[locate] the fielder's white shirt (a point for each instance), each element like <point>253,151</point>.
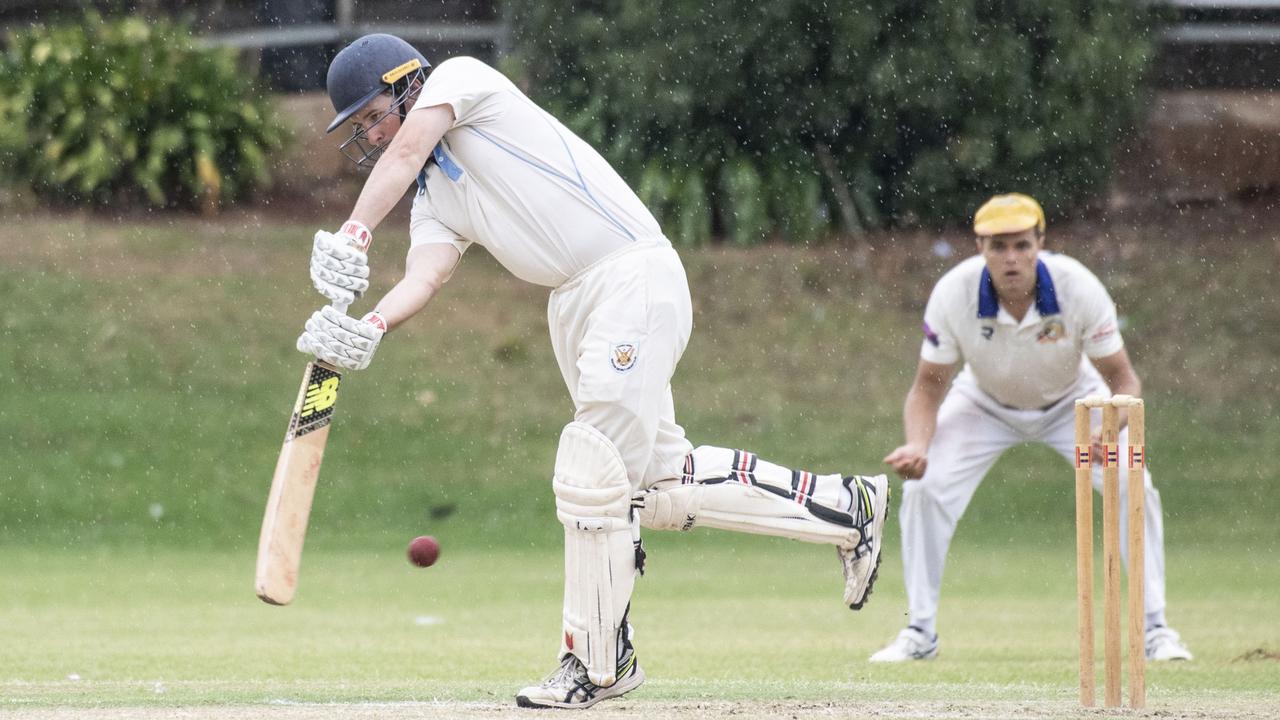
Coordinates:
<point>512,178</point>
<point>1029,364</point>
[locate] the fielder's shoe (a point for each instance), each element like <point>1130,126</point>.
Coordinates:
<point>569,687</point>
<point>1164,643</point>
<point>870,506</point>
<point>911,644</point>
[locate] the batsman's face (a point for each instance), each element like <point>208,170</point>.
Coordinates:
<point>1011,259</point>
<point>376,120</point>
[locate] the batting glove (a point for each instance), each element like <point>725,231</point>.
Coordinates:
<point>339,264</point>
<point>341,340</point>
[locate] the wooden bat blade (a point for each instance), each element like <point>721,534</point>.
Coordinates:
<point>284,526</point>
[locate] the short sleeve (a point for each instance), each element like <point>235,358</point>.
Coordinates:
<point>1100,327</point>
<point>426,229</point>
<point>473,89</point>
<point>939,345</point>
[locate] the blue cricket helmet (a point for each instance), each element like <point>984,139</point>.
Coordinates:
<point>369,66</point>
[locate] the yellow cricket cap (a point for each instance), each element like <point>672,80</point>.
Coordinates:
<point>1010,213</point>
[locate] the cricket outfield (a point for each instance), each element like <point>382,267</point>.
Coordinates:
<point>753,625</point>
<point>146,374</point>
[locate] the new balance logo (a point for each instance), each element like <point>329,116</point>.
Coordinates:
<point>320,396</point>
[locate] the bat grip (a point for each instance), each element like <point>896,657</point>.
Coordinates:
<point>363,246</point>
<point>360,241</point>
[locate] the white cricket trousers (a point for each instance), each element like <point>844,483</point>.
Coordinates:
<point>972,432</point>
<point>618,329</point>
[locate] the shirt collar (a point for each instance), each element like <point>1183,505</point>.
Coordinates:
<point>1046,294</point>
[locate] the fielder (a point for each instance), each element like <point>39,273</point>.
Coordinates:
<point>494,169</point>
<point>1035,331</point>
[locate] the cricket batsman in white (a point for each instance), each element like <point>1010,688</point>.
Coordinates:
<point>493,168</point>
<point>1035,331</point>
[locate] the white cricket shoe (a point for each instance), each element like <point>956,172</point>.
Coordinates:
<point>1164,643</point>
<point>569,687</point>
<point>911,644</point>
<point>860,564</point>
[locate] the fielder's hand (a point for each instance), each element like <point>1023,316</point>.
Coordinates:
<point>339,264</point>
<point>342,340</point>
<point>908,461</point>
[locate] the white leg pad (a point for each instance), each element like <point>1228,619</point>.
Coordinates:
<point>742,508</point>
<point>593,502</point>
<point>737,490</point>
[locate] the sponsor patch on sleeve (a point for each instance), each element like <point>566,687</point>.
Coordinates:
<point>1102,334</point>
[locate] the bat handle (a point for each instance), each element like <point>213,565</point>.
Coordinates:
<point>363,246</point>
<point>342,308</point>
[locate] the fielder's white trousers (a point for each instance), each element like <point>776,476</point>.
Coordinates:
<point>972,432</point>
<point>618,329</point>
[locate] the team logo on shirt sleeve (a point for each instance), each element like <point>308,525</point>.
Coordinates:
<point>931,336</point>
<point>1051,331</point>
<point>623,356</point>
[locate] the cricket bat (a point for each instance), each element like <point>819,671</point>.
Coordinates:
<point>284,527</point>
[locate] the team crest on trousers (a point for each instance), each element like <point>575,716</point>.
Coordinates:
<point>622,356</point>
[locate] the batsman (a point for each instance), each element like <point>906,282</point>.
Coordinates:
<point>492,168</point>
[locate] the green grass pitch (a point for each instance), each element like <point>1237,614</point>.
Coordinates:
<point>146,375</point>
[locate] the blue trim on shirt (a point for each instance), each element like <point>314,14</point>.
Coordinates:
<point>579,184</point>
<point>988,304</point>
<point>1046,294</point>
<point>446,163</point>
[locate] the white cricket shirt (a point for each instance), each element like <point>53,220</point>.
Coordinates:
<point>512,178</point>
<point>1029,364</point>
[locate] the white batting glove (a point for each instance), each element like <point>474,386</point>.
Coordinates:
<point>341,340</point>
<point>339,264</point>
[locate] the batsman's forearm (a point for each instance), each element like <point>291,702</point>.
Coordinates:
<point>404,301</point>
<point>401,163</point>
<point>384,188</point>
<point>427,268</point>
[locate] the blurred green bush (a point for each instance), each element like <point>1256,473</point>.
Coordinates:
<point>131,110</point>
<point>798,117</point>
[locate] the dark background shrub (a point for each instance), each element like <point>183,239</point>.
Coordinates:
<point>801,116</point>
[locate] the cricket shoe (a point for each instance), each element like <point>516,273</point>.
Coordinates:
<point>569,687</point>
<point>911,644</point>
<point>862,562</point>
<point>1164,643</point>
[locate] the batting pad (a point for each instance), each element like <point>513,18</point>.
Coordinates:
<point>735,490</point>
<point>593,502</point>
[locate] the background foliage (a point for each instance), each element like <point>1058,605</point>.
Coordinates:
<point>148,372</point>
<point>131,109</point>
<point>795,117</point>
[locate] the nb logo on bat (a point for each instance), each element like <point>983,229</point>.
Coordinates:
<point>320,396</point>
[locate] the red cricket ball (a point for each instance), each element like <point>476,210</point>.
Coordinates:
<point>424,551</point>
